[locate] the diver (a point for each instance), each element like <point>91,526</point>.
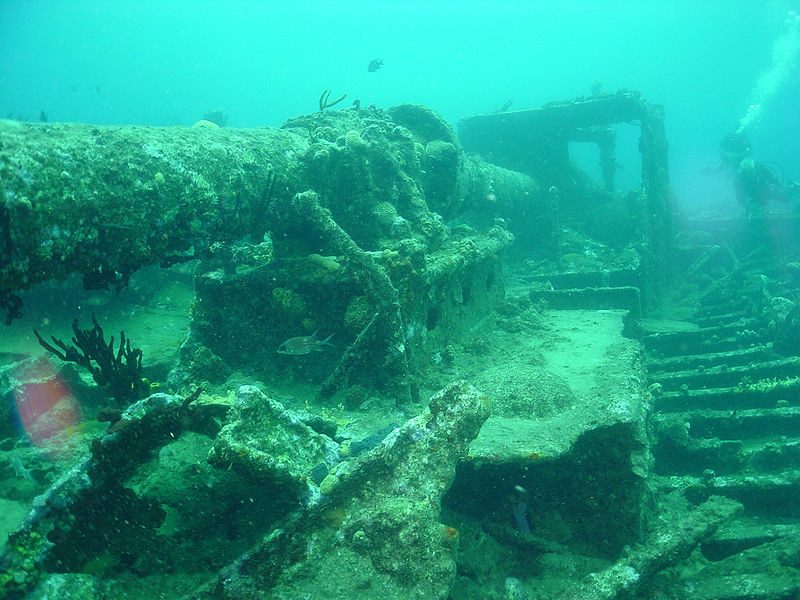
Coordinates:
<point>755,183</point>
<point>793,190</point>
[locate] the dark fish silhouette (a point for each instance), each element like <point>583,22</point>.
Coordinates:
<point>374,65</point>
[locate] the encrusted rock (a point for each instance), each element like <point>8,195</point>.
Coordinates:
<point>379,535</point>
<point>264,441</point>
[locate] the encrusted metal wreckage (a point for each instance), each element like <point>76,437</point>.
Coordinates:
<point>389,231</point>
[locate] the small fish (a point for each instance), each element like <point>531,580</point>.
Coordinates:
<point>304,344</point>
<point>374,65</point>
<point>20,471</point>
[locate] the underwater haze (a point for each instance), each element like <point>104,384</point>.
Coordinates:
<point>168,63</point>
<point>399,300</point>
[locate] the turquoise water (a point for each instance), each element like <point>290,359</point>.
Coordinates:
<point>167,63</point>
<point>628,362</point>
